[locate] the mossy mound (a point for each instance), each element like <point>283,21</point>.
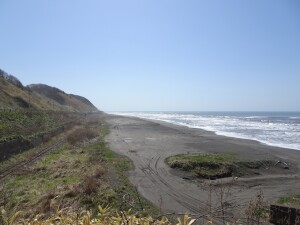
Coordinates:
<point>214,165</point>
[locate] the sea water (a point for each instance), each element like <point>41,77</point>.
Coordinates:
<point>280,129</point>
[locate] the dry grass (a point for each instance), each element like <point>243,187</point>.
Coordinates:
<point>73,177</point>
<point>215,165</point>
<point>31,123</point>
<point>99,171</point>
<point>104,216</point>
<point>16,97</point>
<point>90,185</point>
<point>67,173</point>
<point>81,134</point>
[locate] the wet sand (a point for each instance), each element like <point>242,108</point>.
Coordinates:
<point>147,143</point>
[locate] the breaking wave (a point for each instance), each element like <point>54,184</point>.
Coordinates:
<point>271,128</point>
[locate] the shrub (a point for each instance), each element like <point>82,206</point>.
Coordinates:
<point>99,171</point>
<point>90,185</point>
<point>80,135</point>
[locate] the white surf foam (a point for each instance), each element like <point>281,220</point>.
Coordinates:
<point>281,132</point>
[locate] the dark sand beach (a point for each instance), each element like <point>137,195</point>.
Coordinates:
<point>148,143</point>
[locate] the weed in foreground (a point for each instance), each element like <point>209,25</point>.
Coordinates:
<point>104,216</point>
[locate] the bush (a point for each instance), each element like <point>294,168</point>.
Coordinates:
<point>99,171</point>
<point>81,134</point>
<point>90,185</point>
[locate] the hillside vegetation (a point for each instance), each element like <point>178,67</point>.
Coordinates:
<point>14,95</point>
<point>67,172</point>
<point>53,157</point>
<point>80,174</point>
<point>28,123</point>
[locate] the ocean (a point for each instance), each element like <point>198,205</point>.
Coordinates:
<point>281,129</point>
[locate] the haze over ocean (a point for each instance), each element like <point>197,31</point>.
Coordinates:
<point>281,129</point>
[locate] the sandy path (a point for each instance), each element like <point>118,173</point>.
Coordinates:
<point>148,143</point>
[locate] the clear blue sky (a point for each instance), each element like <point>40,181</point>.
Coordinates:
<point>158,54</point>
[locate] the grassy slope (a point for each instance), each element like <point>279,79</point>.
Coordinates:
<point>76,176</point>
<point>15,97</point>
<point>28,123</point>
<point>8,91</point>
<point>291,200</point>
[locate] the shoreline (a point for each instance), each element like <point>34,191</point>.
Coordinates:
<point>224,135</point>
<point>147,143</point>
<point>216,132</point>
<point>278,149</point>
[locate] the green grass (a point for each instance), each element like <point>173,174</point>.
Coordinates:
<point>58,172</point>
<point>52,172</point>
<point>69,174</point>
<point>120,194</point>
<point>214,166</point>
<point>203,158</point>
<point>108,154</point>
<point>30,123</point>
<point>203,165</point>
<point>290,200</point>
